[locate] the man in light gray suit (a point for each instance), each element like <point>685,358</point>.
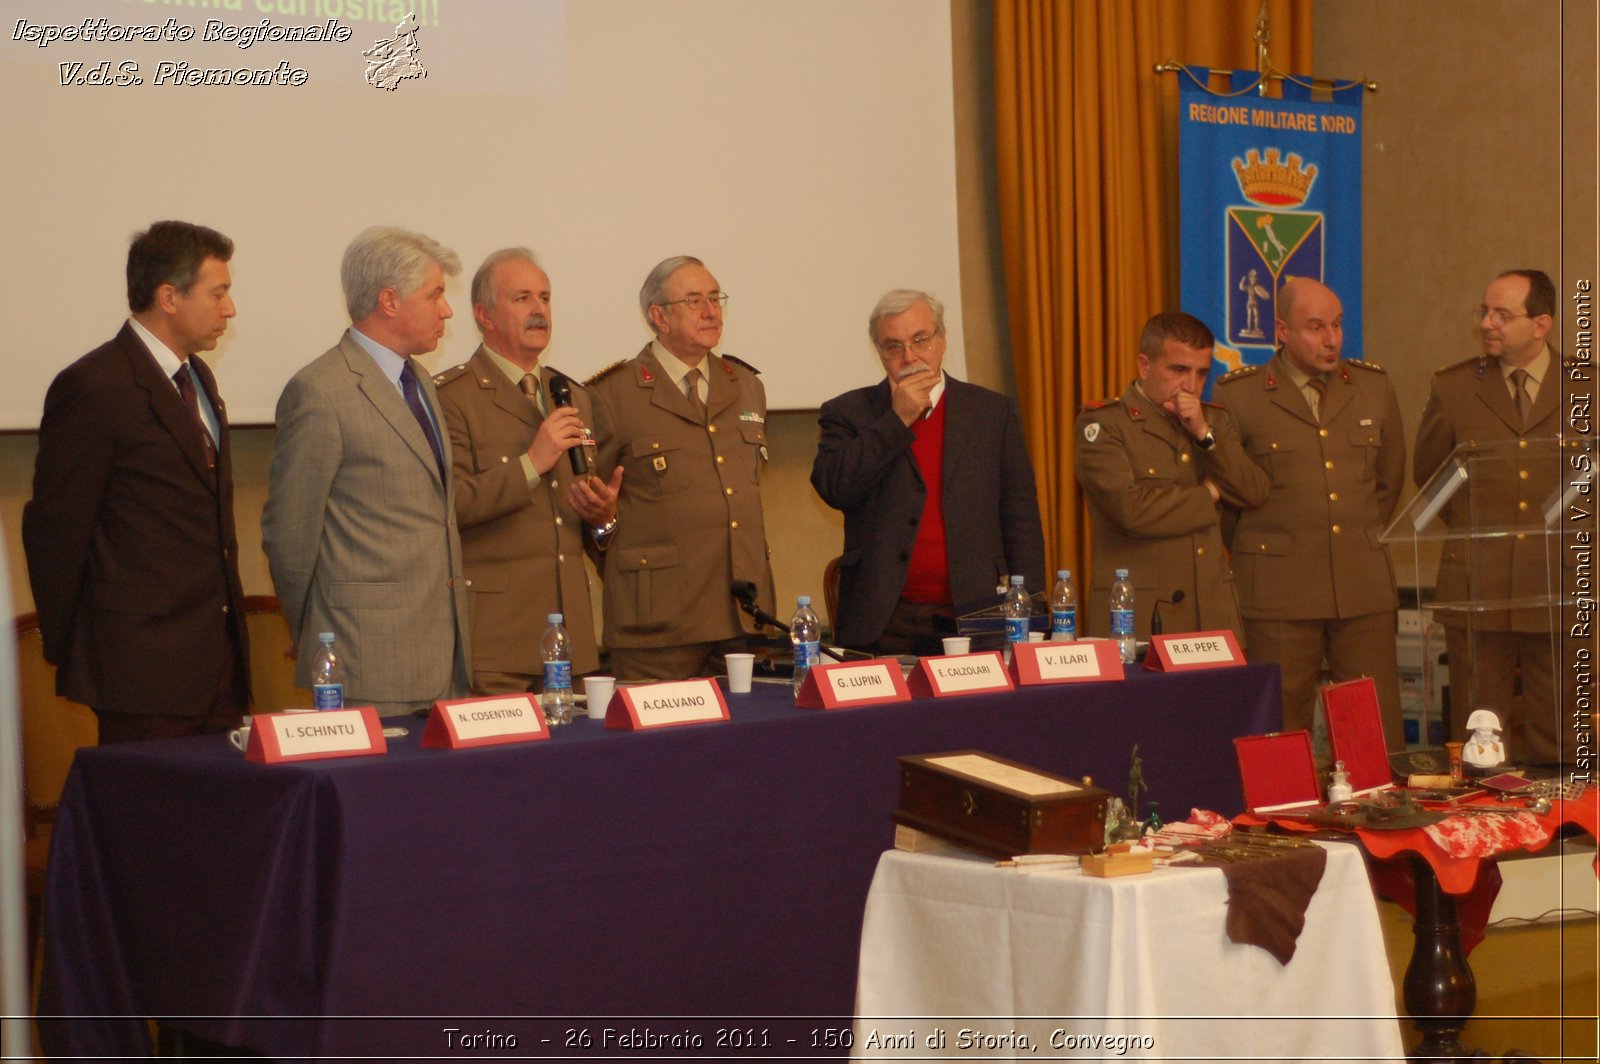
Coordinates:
<point>360,527</point>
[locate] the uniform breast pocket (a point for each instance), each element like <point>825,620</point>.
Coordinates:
<point>648,575</point>
<point>1367,441</point>
<point>755,439</point>
<point>661,465</point>
<point>1276,457</point>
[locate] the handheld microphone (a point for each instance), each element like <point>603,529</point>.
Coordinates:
<point>1155,611</point>
<point>561,395</point>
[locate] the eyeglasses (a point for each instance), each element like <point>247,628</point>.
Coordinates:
<point>698,301</point>
<point>919,344</point>
<point>1497,316</point>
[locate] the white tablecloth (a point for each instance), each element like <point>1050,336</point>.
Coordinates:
<point>1060,965</point>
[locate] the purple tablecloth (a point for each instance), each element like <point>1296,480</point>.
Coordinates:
<point>711,870</point>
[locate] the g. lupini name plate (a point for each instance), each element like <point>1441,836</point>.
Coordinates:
<point>855,683</point>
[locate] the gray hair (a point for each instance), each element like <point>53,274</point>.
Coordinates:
<point>483,292</point>
<point>653,292</point>
<point>388,257</point>
<point>898,301</point>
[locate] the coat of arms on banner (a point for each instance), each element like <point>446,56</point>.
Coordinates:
<point>1266,246</point>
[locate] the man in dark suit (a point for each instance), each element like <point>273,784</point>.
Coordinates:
<point>129,535</point>
<point>934,481</point>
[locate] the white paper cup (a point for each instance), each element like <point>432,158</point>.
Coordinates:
<point>240,736</point>
<point>597,691</point>
<point>958,644</point>
<point>740,667</point>
<point>1038,637</point>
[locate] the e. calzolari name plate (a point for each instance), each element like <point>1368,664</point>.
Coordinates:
<point>1193,650</point>
<point>961,674</point>
<point>855,683</point>
<point>665,705</point>
<point>1081,661</point>
<point>490,721</point>
<point>281,737</point>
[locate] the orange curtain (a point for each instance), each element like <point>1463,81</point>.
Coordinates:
<point>1086,155</point>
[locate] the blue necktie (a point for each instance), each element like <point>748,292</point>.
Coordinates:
<point>408,383</point>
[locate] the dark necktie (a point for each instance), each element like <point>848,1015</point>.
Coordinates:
<point>1320,387</point>
<point>691,382</point>
<point>1519,381</point>
<point>408,382</point>
<point>185,382</point>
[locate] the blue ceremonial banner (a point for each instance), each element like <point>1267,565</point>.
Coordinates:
<point>1269,189</point>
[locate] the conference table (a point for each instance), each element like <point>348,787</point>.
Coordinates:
<point>1055,964</point>
<point>591,892</point>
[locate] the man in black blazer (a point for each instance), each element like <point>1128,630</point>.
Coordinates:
<point>935,484</point>
<point>129,535</point>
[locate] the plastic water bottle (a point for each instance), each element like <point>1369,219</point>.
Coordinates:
<point>1015,609</point>
<point>1122,617</point>
<point>557,701</point>
<point>327,675</point>
<point>1063,608</point>
<point>805,632</point>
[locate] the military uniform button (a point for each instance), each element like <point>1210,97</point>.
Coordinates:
<point>1336,530</point>
<point>720,460</point>
<point>733,524</point>
<point>1333,496</point>
<point>1327,465</point>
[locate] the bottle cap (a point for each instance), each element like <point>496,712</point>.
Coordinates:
<point>1122,574</point>
<point>1016,581</point>
<point>554,618</point>
<point>1062,574</point>
<point>324,637</point>
<point>803,600</point>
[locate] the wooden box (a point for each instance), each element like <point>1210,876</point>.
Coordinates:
<point>999,807</point>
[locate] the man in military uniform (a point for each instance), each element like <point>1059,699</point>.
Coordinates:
<point>690,427</point>
<point>1511,392</point>
<point>1315,582</point>
<point>1154,465</point>
<point>522,510</point>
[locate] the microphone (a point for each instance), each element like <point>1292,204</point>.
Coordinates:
<point>1155,611</point>
<point>561,395</point>
<point>745,592</point>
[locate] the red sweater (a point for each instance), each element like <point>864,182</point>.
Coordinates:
<point>928,578</point>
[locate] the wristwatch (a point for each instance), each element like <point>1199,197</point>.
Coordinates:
<point>1208,441</point>
<point>604,530</point>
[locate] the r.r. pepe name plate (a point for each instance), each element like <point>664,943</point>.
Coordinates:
<point>1080,661</point>
<point>490,721</point>
<point>664,705</point>
<point>846,685</point>
<point>961,674</point>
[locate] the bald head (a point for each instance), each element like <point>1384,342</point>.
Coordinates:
<point>1310,325</point>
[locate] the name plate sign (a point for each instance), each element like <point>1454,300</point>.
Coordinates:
<point>1081,661</point>
<point>280,737</point>
<point>663,705</point>
<point>1193,650</point>
<point>854,683</point>
<point>466,722</point>
<point>961,674</point>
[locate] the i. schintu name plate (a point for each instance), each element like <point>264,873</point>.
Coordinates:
<point>845,685</point>
<point>281,737</point>
<point>1080,661</point>
<point>960,674</point>
<point>466,722</point>
<point>1193,650</point>
<point>665,705</point>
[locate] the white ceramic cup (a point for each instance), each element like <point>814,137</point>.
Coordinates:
<point>958,644</point>
<point>240,736</point>
<point>597,691</point>
<point>740,667</point>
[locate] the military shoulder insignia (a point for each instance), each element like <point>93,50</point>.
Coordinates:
<point>1101,404</point>
<point>608,371</point>
<point>1364,365</point>
<point>739,361</point>
<point>449,375</point>
<point>1242,371</point>
<point>1091,431</point>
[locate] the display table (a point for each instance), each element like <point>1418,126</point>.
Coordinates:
<point>1060,965</point>
<point>712,870</point>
